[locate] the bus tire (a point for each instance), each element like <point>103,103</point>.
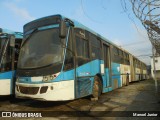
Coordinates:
<point>97,88</point>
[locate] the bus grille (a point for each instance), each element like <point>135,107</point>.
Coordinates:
<point>43,89</point>
<point>29,90</point>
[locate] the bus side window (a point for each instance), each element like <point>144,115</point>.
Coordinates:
<point>121,56</point>
<point>69,62</point>
<point>82,47</point>
<point>6,63</point>
<point>118,55</point>
<point>126,58</point>
<point>96,47</point>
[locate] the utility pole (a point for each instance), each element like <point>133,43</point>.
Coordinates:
<point>153,52</point>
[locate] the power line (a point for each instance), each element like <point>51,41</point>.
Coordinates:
<point>130,44</point>
<point>147,55</point>
<point>84,12</point>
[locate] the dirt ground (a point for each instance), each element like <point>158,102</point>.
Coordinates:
<point>139,98</point>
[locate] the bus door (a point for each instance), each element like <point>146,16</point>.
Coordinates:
<point>107,65</point>
<point>83,67</point>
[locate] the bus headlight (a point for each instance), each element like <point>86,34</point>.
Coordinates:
<point>45,79</point>
<point>49,77</point>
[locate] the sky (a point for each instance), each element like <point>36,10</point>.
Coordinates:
<point>113,19</point>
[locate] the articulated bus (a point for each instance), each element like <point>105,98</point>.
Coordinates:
<point>9,50</point>
<point>62,59</point>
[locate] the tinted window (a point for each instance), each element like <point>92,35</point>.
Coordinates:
<point>116,58</point>
<point>121,53</point>
<point>43,48</point>
<point>115,50</point>
<point>82,47</point>
<point>69,61</point>
<point>106,55</point>
<point>5,58</point>
<point>95,47</point>
<point>126,58</point>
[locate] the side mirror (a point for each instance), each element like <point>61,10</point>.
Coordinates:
<point>62,29</point>
<point>12,41</point>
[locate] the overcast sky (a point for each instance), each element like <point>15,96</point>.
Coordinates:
<point>106,17</point>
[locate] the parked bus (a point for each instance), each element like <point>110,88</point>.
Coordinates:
<point>9,50</point>
<point>62,59</point>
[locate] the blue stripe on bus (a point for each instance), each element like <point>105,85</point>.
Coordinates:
<point>48,27</point>
<point>115,68</point>
<point>116,77</point>
<point>85,75</point>
<point>84,70</point>
<point>81,71</point>
<point>6,75</point>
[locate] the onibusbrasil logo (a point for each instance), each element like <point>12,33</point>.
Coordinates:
<point>21,114</point>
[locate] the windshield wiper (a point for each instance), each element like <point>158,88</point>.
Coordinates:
<point>30,35</point>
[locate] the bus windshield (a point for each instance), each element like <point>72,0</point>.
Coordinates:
<point>43,48</point>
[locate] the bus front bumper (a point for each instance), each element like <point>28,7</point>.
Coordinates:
<point>56,91</point>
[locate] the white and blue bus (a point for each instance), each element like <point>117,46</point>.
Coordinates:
<point>10,42</point>
<point>61,59</point>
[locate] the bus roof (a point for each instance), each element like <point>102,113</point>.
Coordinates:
<point>79,25</point>
<point>17,34</point>
<point>76,24</point>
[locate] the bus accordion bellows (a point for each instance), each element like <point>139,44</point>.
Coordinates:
<point>10,42</point>
<point>62,59</point>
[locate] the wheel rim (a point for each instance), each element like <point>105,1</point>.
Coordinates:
<point>96,90</point>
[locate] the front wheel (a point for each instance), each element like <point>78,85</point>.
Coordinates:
<point>97,88</point>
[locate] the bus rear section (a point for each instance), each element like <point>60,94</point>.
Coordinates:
<point>10,42</point>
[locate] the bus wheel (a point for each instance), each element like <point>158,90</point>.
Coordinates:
<point>97,88</point>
